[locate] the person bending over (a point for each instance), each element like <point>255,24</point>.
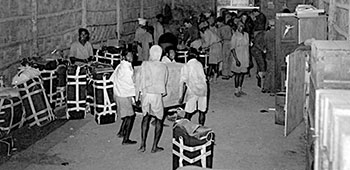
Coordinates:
<point>193,85</point>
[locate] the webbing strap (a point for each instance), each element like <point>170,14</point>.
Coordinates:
<point>50,78</point>
<point>182,148</point>
<point>28,94</point>
<point>107,104</point>
<point>112,57</point>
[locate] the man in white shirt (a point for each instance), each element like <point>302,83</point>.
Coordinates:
<point>193,85</point>
<point>124,91</point>
<point>81,50</point>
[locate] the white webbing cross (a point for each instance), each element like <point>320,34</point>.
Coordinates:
<point>51,77</point>
<point>28,94</point>
<point>182,148</point>
<point>107,104</point>
<point>76,83</point>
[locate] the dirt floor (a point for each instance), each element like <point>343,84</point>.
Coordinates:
<point>246,139</point>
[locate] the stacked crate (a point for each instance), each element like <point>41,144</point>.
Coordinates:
<point>330,63</point>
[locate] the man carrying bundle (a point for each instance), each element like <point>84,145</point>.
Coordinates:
<point>153,79</point>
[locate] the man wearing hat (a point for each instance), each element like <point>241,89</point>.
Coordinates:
<point>143,39</point>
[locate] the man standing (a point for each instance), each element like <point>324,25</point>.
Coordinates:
<point>211,42</point>
<point>259,46</point>
<point>124,91</point>
<point>158,28</point>
<point>81,50</point>
<point>143,39</point>
<point>152,86</point>
<point>225,33</point>
<point>193,85</point>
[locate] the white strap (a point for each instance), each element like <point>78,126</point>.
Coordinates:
<point>182,148</point>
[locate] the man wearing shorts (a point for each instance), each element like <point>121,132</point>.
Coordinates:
<point>153,79</point>
<point>124,91</point>
<point>193,87</point>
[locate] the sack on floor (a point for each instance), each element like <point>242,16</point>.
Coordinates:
<point>192,145</point>
<point>12,115</point>
<point>76,92</point>
<point>36,105</point>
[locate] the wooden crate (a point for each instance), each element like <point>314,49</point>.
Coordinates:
<point>312,27</point>
<point>332,128</point>
<point>330,64</point>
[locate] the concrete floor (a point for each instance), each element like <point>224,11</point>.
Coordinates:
<point>246,139</point>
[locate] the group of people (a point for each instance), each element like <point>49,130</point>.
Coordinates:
<point>230,41</point>
<point>151,90</point>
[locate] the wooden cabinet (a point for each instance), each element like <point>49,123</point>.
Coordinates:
<point>291,31</point>
<point>286,42</point>
<point>332,128</point>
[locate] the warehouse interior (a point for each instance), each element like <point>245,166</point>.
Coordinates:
<point>301,122</point>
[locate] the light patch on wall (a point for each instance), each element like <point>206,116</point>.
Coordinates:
<point>270,5</point>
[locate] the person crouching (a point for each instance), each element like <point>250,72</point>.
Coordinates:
<point>193,85</point>
<point>153,79</point>
<point>124,91</point>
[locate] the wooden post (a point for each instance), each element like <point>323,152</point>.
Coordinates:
<point>320,4</point>
<point>118,20</point>
<point>348,7</point>
<point>34,17</point>
<point>141,9</point>
<point>84,13</point>
<point>331,20</point>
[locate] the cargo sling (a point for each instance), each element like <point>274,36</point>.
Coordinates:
<point>76,83</point>
<point>107,103</point>
<point>6,127</point>
<point>35,115</point>
<point>204,153</point>
<point>51,92</point>
<point>11,105</point>
<point>61,97</point>
<point>109,58</point>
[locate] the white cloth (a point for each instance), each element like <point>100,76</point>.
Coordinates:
<point>192,74</point>
<point>153,104</point>
<point>166,59</point>
<point>122,78</point>
<point>24,74</point>
<point>194,103</point>
<point>142,21</point>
